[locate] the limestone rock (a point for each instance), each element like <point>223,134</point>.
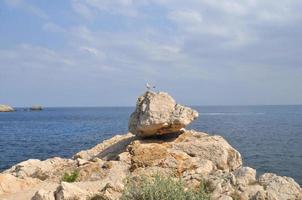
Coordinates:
<point>111,192</point>
<point>254,192</point>
<point>221,182</point>
<point>29,191</point>
<point>280,188</point>
<point>158,114</point>
<point>81,162</point>
<point>194,151</point>
<point>260,195</point>
<point>12,184</point>
<point>213,148</point>
<point>105,171</point>
<point>43,195</point>
<point>245,175</point>
<point>50,169</point>
<point>107,149</point>
<point>69,191</point>
<point>6,108</point>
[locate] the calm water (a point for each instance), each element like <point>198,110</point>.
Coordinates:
<point>268,137</point>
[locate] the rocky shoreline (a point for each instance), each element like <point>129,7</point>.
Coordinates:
<point>156,144</point>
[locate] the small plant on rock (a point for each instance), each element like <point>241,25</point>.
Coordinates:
<point>72,177</point>
<point>161,188</point>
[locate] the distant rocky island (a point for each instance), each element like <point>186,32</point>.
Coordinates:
<point>157,143</point>
<point>36,108</point>
<point>6,108</point>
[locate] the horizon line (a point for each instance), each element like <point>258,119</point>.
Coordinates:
<point>131,106</point>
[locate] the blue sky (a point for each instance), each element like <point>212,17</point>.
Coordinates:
<point>102,52</point>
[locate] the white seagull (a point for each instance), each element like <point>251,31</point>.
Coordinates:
<point>149,87</point>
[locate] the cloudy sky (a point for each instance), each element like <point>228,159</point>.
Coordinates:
<point>102,52</point>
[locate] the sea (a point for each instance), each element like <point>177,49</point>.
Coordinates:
<point>269,138</point>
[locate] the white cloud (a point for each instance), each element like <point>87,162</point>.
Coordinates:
<point>205,30</point>
<point>208,44</point>
<point>82,33</point>
<point>30,56</point>
<point>232,7</point>
<point>92,51</point>
<point>191,22</point>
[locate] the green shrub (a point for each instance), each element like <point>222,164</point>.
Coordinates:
<point>72,177</point>
<point>161,188</point>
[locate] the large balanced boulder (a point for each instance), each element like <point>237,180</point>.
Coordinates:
<point>159,114</point>
<point>6,108</point>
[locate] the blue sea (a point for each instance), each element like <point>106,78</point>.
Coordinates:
<point>269,138</point>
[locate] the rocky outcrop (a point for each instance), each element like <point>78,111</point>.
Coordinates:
<point>159,114</point>
<point>36,108</point>
<point>190,155</point>
<point>6,108</point>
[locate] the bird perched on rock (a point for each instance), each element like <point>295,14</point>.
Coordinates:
<point>149,87</point>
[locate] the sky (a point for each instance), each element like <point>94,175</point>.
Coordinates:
<point>103,52</point>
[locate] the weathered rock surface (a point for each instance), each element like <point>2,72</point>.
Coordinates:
<point>50,169</point>
<point>6,108</point>
<point>43,195</point>
<point>108,148</point>
<point>70,191</point>
<point>245,176</point>
<point>193,156</point>
<point>11,184</point>
<point>278,187</point>
<point>159,114</point>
